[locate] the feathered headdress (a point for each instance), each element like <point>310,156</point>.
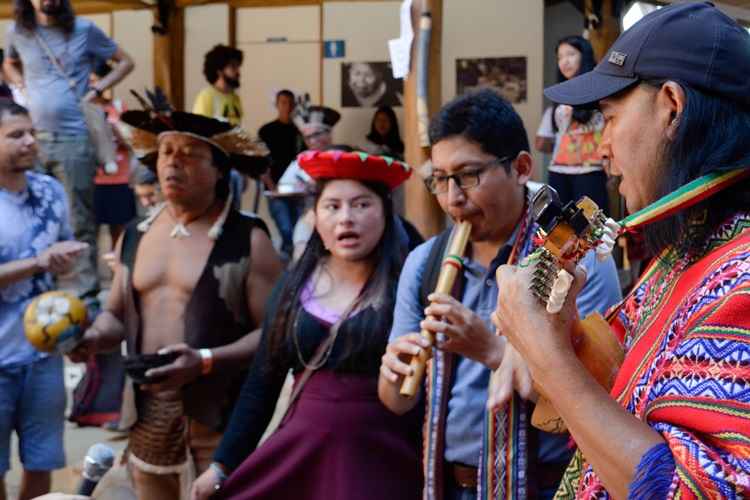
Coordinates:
<point>312,118</point>
<point>143,130</point>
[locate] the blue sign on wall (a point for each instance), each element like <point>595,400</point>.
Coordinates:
<point>334,49</point>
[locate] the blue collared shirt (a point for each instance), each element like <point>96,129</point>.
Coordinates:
<point>468,395</point>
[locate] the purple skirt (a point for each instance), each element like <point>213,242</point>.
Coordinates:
<point>338,442</point>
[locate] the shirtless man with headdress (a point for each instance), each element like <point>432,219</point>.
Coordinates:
<point>190,285</point>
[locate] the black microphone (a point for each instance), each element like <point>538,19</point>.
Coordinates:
<point>98,461</point>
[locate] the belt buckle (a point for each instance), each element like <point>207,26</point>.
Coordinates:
<point>465,484</point>
<point>464,476</point>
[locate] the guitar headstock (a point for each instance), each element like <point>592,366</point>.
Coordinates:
<point>566,233</point>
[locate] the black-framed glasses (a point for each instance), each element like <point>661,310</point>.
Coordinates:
<point>467,178</point>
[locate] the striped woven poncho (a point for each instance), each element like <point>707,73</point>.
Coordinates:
<point>686,330</point>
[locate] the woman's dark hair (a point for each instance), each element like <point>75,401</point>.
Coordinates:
<point>393,139</point>
<point>588,62</point>
<point>219,58</point>
<point>379,291</point>
<point>25,16</point>
<point>484,117</point>
<point>713,134</point>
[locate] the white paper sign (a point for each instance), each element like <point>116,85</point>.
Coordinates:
<point>400,48</point>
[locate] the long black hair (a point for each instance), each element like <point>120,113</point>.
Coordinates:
<point>713,134</point>
<point>393,139</point>
<point>588,62</point>
<point>25,16</point>
<point>379,291</point>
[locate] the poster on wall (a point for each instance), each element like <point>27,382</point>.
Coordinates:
<point>370,85</point>
<point>507,75</point>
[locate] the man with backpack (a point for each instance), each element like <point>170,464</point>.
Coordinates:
<point>480,167</point>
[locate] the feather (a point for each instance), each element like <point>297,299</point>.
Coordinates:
<point>141,100</point>
<point>159,100</point>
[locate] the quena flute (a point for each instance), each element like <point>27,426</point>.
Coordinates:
<point>451,266</point>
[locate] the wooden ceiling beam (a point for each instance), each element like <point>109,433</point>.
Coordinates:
<point>101,6</point>
<point>268,3</point>
<point>272,3</point>
<point>88,6</point>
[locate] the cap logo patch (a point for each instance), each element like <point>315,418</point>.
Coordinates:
<point>617,58</point>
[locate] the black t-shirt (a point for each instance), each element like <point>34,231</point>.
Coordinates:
<point>285,142</point>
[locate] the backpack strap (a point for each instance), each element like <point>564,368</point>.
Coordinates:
<point>432,269</point>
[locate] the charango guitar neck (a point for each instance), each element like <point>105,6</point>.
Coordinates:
<point>566,234</point>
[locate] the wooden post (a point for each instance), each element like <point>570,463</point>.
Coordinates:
<point>606,32</point>
<point>602,37</point>
<point>232,26</point>
<point>169,59</point>
<point>421,208</point>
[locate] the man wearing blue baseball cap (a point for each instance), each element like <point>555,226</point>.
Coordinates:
<point>675,94</point>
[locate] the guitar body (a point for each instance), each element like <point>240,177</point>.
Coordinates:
<point>600,353</point>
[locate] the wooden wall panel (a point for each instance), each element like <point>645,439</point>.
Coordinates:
<point>365,28</point>
<point>289,24</point>
<point>205,26</point>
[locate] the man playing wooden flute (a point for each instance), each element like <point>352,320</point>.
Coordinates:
<point>480,166</point>
<point>675,94</point>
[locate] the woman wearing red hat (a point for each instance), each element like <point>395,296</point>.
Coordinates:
<point>328,323</point>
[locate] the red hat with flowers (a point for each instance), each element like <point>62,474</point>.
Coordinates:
<point>357,165</point>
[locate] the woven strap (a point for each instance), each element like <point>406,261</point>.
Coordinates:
<point>56,63</point>
<point>320,352</point>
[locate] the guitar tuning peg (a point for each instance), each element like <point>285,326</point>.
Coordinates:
<point>541,293</point>
<point>559,292</point>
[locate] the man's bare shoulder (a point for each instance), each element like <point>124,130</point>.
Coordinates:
<point>264,259</point>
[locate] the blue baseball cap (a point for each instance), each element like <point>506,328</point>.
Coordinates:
<point>694,44</point>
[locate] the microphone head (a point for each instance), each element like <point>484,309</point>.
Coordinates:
<point>98,461</point>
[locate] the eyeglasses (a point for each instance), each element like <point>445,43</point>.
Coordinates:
<point>467,178</point>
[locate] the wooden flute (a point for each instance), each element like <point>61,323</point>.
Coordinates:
<point>451,266</point>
